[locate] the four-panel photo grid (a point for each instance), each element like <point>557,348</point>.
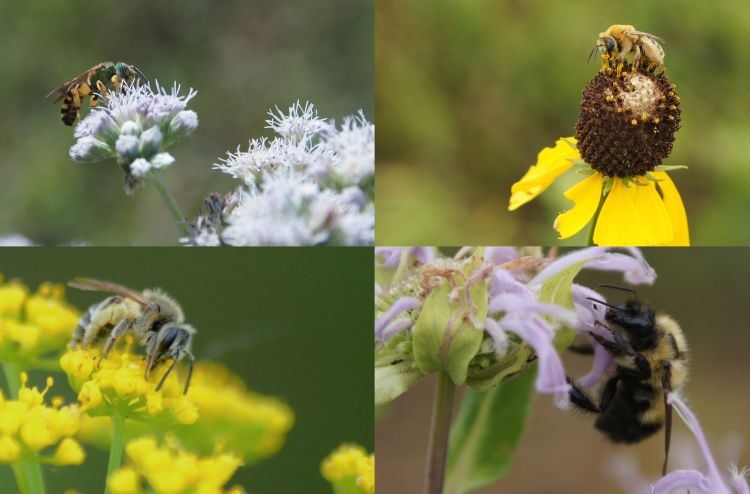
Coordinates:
<point>548,237</point>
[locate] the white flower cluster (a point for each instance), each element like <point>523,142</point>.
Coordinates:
<point>135,128</point>
<point>312,184</point>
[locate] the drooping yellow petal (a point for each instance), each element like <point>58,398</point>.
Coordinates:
<point>675,209</point>
<point>586,195</point>
<point>550,164</point>
<point>633,215</point>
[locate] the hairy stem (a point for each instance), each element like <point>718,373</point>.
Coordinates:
<point>35,477</point>
<point>437,449</point>
<point>20,475</point>
<point>161,186</point>
<point>115,449</point>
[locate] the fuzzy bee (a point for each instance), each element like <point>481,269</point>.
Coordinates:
<point>651,354</point>
<point>152,317</point>
<point>622,40</point>
<point>103,77</point>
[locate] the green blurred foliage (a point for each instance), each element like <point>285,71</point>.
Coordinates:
<point>243,57</point>
<point>289,322</point>
<point>469,91</point>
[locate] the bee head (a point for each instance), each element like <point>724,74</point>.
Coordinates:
<point>171,342</point>
<point>128,72</point>
<point>634,315</point>
<point>607,44</point>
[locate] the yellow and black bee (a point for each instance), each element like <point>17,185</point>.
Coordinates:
<point>105,76</point>
<point>651,354</point>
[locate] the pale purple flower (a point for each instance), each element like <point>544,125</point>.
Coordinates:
<point>634,267</point>
<point>392,255</point>
<point>400,306</point>
<point>499,255</point>
<point>695,481</point>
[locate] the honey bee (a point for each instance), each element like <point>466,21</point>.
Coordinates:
<point>152,317</point>
<point>622,40</point>
<point>651,354</point>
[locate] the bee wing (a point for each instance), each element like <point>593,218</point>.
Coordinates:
<point>666,379</point>
<point>108,286</point>
<point>82,77</point>
<point>647,35</point>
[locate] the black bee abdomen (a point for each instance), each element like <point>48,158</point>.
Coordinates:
<point>622,421</point>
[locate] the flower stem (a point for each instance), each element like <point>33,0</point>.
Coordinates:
<point>437,449</point>
<point>13,377</point>
<point>161,186</point>
<point>595,219</point>
<point>19,474</point>
<point>35,478</point>
<point>115,449</point>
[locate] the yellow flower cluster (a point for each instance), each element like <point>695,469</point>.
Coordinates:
<point>116,385</point>
<point>33,324</point>
<point>28,427</point>
<point>242,421</point>
<point>170,469</point>
<point>350,469</point>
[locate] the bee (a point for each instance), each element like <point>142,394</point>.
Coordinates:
<point>103,77</point>
<point>152,317</point>
<point>651,356</point>
<point>621,40</point>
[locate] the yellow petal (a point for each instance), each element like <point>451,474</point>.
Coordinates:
<point>633,215</point>
<point>675,209</point>
<point>586,195</point>
<point>550,164</point>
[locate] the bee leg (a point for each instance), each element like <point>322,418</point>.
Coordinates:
<point>582,349</point>
<point>116,81</point>
<point>609,392</point>
<point>580,399</point>
<point>102,89</point>
<point>94,101</point>
<point>121,327</point>
<point>666,381</point>
<point>166,374</point>
<point>191,360</point>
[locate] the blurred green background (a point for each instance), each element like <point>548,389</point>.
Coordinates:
<point>289,322</point>
<point>242,56</point>
<point>705,290</point>
<point>469,91</point>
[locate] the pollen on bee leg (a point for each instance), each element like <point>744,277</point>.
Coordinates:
<point>76,97</point>
<point>634,122</point>
<point>84,89</point>
<point>116,81</point>
<point>102,88</point>
<point>94,101</point>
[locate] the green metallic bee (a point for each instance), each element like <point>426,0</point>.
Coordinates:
<point>106,76</point>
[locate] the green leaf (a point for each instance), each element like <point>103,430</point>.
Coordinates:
<point>444,340</point>
<point>667,168</point>
<point>558,290</point>
<point>486,432</point>
<point>391,381</point>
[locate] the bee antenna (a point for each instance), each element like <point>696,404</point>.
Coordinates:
<point>591,54</point>
<point>624,289</point>
<point>604,303</point>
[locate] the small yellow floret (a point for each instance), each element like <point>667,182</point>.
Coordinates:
<point>124,481</point>
<point>69,452</point>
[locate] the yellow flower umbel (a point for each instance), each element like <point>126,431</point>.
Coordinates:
<point>170,469</point>
<point>350,470</point>
<point>242,421</point>
<point>33,324</point>
<point>116,386</point>
<point>33,432</point>
<point>625,130</point>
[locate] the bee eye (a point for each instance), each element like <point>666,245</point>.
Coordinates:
<point>169,338</point>
<point>610,43</point>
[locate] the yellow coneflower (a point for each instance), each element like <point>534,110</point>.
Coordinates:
<point>350,469</point>
<point>625,131</point>
<point>170,469</point>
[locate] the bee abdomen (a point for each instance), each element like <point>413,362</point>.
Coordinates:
<point>69,109</point>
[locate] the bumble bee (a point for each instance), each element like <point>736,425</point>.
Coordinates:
<point>651,357</point>
<point>621,40</point>
<point>103,77</point>
<point>152,317</point>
